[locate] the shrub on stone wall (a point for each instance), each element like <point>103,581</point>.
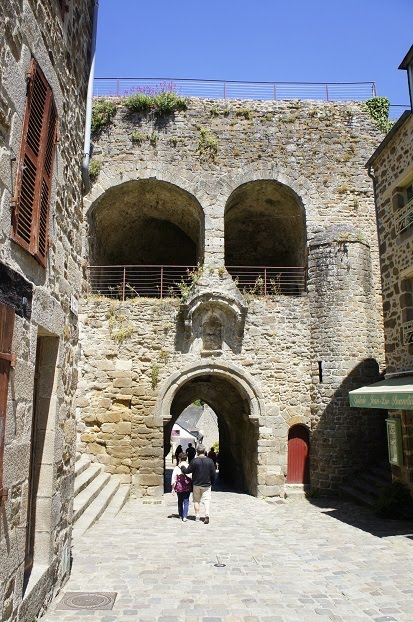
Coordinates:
<point>103,112</point>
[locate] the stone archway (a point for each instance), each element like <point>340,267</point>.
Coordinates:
<point>146,222</point>
<point>238,407</point>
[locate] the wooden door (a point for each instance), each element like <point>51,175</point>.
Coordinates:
<point>298,455</point>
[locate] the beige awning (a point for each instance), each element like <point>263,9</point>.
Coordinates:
<point>391,394</point>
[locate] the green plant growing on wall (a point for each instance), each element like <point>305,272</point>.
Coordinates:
<point>95,166</point>
<point>137,137</point>
<point>153,139</point>
<point>163,103</point>
<point>163,356</point>
<point>168,102</point>
<point>378,108</point>
<point>207,145</point>
<point>140,102</point>
<point>244,113</point>
<point>154,375</point>
<point>103,112</point>
<point>186,285</point>
<point>119,327</point>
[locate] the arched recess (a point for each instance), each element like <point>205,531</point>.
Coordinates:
<point>238,408</point>
<point>265,225</point>
<point>298,468</point>
<point>146,222</point>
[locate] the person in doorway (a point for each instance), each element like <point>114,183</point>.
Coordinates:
<point>182,485</point>
<point>190,452</point>
<point>178,451</point>
<point>203,476</point>
<point>213,456</point>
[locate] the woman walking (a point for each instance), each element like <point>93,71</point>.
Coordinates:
<point>182,485</point>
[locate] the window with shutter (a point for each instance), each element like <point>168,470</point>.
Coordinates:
<point>6,359</point>
<point>34,177</point>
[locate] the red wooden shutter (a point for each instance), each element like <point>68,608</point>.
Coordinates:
<point>31,214</point>
<point>6,358</point>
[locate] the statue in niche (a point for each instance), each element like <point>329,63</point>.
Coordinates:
<point>212,334</point>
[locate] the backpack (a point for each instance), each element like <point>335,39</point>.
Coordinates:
<point>183,483</point>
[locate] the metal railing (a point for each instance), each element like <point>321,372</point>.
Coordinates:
<point>232,89</point>
<point>405,217</point>
<point>153,281</point>
<point>269,281</point>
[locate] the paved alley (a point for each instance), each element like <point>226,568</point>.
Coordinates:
<point>284,562</point>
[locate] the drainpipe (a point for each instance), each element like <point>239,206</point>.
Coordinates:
<point>88,121</point>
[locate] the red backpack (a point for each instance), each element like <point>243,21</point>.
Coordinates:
<point>183,483</point>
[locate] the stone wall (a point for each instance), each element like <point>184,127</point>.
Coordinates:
<point>393,171</point>
<point>45,330</point>
<point>303,161</point>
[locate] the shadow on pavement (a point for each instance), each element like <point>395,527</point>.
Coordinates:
<point>363,518</point>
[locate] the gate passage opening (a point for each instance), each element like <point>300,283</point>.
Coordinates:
<point>237,433</point>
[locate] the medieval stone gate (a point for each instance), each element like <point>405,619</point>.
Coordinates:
<point>245,275</point>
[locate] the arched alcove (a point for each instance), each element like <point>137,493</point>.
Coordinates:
<point>146,222</point>
<point>265,226</point>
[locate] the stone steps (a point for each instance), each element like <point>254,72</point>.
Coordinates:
<point>364,488</point>
<point>96,494</point>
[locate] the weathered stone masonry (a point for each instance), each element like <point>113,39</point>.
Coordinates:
<point>46,332</point>
<point>297,164</point>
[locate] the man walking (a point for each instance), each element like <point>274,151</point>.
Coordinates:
<point>190,452</point>
<point>203,476</point>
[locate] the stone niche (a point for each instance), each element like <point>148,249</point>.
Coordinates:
<point>214,324</point>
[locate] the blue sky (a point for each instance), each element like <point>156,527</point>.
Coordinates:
<point>265,40</point>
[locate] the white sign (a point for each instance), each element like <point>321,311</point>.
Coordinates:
<point>74,305</point>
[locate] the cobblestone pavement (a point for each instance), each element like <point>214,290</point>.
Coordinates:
<point>288,562</point>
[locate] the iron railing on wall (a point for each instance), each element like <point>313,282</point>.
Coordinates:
<point>404,218</point>
<point>233,89</point>
<point>153,281</point>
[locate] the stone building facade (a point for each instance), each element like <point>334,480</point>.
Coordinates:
<point>233,187</point>
<point>44,69</point>
<point>391,167</point>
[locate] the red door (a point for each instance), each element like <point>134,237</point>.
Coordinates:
<point>298,455</point>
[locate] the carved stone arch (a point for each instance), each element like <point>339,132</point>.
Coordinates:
<point>111,176</point>
<point>239,408</point>
<point>301,186</point>
<point>232,373</point>
<point>146,221</point>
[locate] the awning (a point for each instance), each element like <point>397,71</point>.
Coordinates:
<point>391,394</point>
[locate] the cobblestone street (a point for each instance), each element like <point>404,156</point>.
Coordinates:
<point>284,562</point>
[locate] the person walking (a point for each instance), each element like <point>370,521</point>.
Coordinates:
<point>213,456</point>
<point>182,485</point>
<point>190,452</point>
<point>178,451</point>
<point>203,476</point>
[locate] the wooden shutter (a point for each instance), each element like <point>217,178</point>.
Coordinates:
<point>34,177</point>
<point>6,359</point>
